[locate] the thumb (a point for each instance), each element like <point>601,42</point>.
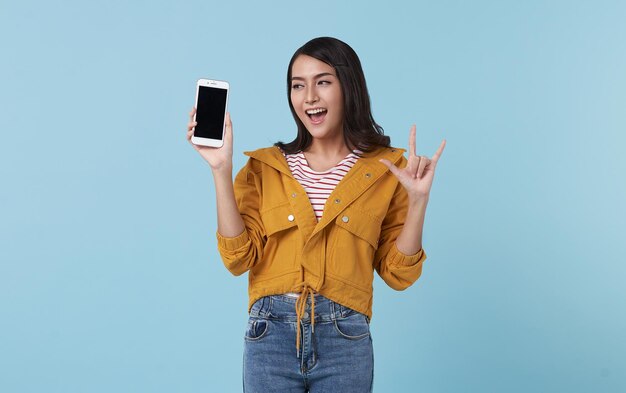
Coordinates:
<point>392,168</point>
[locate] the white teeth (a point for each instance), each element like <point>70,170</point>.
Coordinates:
<point>314,111</point>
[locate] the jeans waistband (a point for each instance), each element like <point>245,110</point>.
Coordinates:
<point>283,307</point>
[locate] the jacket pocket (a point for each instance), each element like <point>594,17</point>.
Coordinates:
<point>353,242</point>
<point>281,245</point>
<point>278,219</point>
<point>361,224</point>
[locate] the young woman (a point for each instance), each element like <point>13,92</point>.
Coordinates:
<point>310,221</point>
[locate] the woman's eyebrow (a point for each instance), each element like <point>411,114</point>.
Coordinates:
<point>315,77</point>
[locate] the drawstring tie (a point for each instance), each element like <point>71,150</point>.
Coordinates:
<point>300,308</point>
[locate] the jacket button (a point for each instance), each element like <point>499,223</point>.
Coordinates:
<point>290,217</point>
<point>337,200</point>
<point>368,175</point>
<point>345,219</point>
<point>293,195</point>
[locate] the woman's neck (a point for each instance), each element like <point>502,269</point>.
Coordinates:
<point>322,156</point>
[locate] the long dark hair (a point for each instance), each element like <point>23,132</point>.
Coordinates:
<point>360,131</point>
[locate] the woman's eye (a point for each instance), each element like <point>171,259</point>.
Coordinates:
<point>324,82</point>
<point>296,87</point>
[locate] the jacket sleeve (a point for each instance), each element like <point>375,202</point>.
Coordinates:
<point>398,270</point>
<point>242,252</point>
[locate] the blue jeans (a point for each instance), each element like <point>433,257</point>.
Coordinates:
<point>337,357</point>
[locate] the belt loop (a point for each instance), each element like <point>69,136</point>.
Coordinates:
<point>332,311</point>
<point>266,306</point>
<point>253,311</point>
<point>261,310</point>
<point>270,306</point>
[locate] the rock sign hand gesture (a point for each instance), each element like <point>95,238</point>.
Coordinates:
<point>417,176</point>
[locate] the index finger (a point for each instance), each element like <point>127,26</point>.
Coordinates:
<point>412,141</point>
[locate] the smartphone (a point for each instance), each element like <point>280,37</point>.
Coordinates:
<point>211,106</point>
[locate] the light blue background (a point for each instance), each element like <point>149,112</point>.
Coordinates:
<point>109,276</point>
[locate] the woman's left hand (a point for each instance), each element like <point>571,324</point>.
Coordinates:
<point>417,176</point>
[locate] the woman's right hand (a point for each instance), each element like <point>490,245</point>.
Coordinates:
<point>219,158</point>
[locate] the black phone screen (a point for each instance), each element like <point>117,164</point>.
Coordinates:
<point>210,112</point>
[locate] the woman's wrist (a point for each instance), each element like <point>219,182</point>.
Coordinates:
<point>224,170</point>
<point>418,202</point>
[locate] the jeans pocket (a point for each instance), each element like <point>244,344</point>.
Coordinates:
<point>353,327</point>
<point>256,329</point>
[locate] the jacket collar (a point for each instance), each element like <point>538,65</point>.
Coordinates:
<point>273,157</point>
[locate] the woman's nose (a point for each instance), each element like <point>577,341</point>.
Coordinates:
<point>311,96</point>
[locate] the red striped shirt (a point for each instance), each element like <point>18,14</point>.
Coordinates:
<point>318,185</point>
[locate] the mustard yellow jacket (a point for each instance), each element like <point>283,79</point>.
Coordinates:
<point>284,248</point>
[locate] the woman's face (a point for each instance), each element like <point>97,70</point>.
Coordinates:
<point>316,97</point>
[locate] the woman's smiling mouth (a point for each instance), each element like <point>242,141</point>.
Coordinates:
<point>316,115</point>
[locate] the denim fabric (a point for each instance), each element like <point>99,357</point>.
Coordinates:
<point>336,357</point>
